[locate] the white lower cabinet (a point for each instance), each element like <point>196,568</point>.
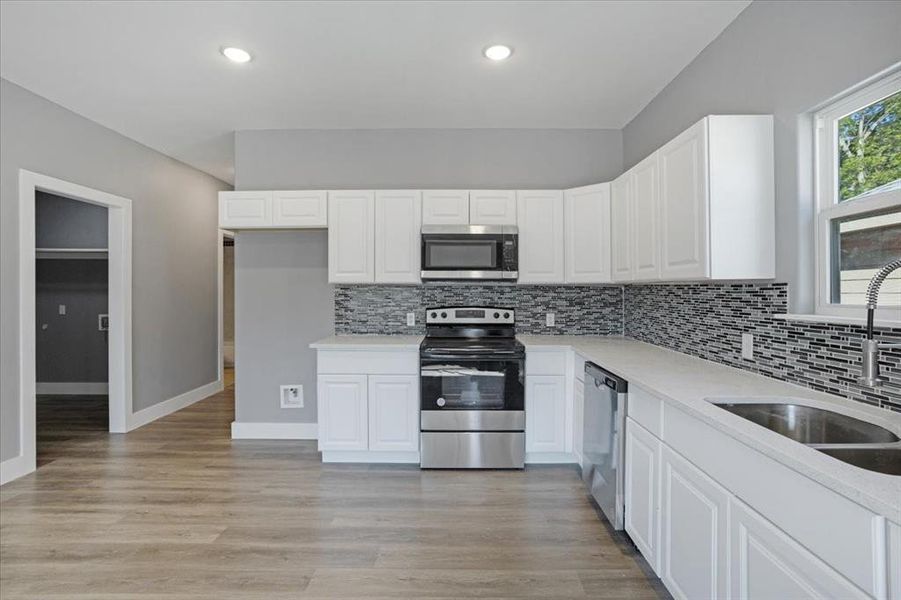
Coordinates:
<point>578,416</point>
<point>343,412</point>
<point>767,564</point>
<point>545,413</point>
<point>642,489</point>
<point>693,536</point>
<point>394,412</point>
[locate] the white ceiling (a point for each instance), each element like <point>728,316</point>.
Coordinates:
<point>152,70</point>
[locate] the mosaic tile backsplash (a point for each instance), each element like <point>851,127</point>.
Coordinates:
<point>707,320</point>
<point>704,320</point>
<point>382,309</point>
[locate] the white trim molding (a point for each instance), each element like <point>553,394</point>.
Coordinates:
<point>167,407</point>
<point>72,388</point>
<point>119,243</point>
<point>274,431</point>
<point>14,468</point>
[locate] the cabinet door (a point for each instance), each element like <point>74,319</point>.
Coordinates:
<point>245,209</point>
<point>621,228</point>
<point>645,217</point>
<point>445,207</point>
<point>540,217</point>
<point>684,234</point>
<point>587,234</point>
<point>693,526</point>
<point>306,208</point>
<point>398,220</point>
<point>492,207</point>
<point>765,563</point>
<point>545,413</point>
<point>394,412</point>
<point>342,406</point>
<point>351,222</point>
<point>642,481</point>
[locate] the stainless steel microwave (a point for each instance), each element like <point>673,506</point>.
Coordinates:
<point>470,252</point>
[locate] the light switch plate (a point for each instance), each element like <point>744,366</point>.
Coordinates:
<point>62,309</point>
<point>411,319</point>
<point>747,346</point>
<point>291,396</point>
<point>550,320</point>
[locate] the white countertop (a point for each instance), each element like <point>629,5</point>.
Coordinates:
<point>687,381</point>
<point>368,342</point>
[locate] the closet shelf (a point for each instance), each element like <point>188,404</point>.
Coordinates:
<point>71,253</point>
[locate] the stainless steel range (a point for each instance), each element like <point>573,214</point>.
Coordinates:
<point>472,378</point>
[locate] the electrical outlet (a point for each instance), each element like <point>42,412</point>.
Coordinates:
<point>62,309</point>
<point>103,322</point>
<point>550,320</point>
<point>747,346</point>
<point>291,396</point>
<point>411,319</point>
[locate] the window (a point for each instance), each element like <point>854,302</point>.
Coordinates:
<point>858,188</point>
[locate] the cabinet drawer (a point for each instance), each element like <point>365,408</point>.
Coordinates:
<point>366,362</point>
<point>646,409</point>
<point>546,362</point>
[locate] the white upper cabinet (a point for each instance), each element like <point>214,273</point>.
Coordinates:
<point>587,234</point>
<point>398,219</point>
<point>717,200</point>
<point>683,185</point>
<point>304,209</point>
<point>445,207</point>
<point>539,214</point>
<point>492,207</point>
<point>621,228</point>
<point>645,216</point>
<point>351,224</point>
<point>239,210</point>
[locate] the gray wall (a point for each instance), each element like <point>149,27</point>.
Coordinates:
<point>65,223</point>
<point>69,347</point>
<point>284,303</point>
<point>175,246</point>
<point>282,296</point>
<point>784,58</point>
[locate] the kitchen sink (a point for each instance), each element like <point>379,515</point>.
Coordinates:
<point>810,425</point>
<point>881,460</point>
<point>853,441</point>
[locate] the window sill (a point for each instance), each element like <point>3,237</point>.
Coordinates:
<point>838,320</point>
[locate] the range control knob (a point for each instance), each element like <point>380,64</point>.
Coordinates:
<point>434,315</point>
<point>497,315</point>
<point>444,315</point>
<point>440,402</point>
<point>506,315</point>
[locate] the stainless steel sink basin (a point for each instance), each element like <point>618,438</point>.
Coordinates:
<point>810,425</point>
<point>859,443</point>
<point>881,460</point>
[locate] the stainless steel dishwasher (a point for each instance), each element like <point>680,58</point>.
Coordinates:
<point>603,440</point>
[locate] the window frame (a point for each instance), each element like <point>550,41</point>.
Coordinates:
<point>828,207</point>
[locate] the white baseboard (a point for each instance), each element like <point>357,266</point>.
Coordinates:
<point>167,407</point>
<point>14,468</point>
<point>274,431</point>
<point>72,388</point>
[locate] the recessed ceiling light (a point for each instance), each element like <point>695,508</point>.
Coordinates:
<point>236,55</point>
<point>498,52</point>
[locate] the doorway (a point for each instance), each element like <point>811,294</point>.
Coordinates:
<point>119,273</point>
<point>227,308</point>
<point>71,332</point>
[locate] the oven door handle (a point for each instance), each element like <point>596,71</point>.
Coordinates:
<point>471,356</point>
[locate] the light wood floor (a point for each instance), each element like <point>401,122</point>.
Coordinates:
<point>178,510</point>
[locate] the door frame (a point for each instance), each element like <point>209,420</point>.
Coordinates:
<point>119,246</point>
<point>224,234</point>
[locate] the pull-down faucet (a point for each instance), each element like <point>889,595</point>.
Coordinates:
<point>869,366</point>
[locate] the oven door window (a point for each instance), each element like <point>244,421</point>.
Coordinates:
<point>449,384</point>
<point>471,253</point>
